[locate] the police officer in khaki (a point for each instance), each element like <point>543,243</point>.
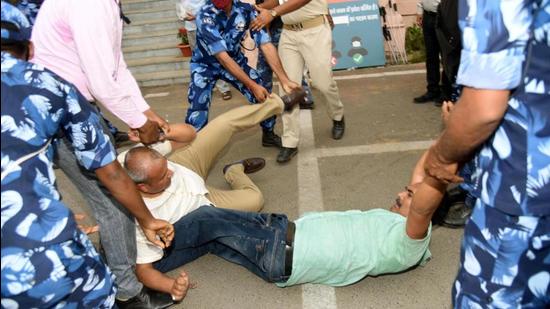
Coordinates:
<point>306,41</point>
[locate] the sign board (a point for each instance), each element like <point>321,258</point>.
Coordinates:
<point>357,35</point>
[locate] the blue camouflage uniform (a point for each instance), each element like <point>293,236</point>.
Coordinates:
<point>46,260</point>
<point>30,8</point>
<point>216,32</point>
<point>505,255</point>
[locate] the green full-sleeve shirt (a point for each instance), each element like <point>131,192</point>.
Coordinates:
<point>340,248</point>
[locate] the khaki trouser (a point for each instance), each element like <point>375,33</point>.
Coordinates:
<point>201,155</point>
<point>310,47</point>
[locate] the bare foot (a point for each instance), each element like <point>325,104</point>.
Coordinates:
<point>180,287</point>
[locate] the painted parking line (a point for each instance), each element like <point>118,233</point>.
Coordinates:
<point>310,198</point>
<point>381,74</point>
<point>374,75</point>
<point>371,149</point>
<point>157,95</point>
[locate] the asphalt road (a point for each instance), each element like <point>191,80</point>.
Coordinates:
<point>385,135</point>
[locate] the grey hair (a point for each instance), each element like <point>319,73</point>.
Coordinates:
<point>137,161</point>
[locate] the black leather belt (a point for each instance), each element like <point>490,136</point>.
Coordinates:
<point>289,248</point>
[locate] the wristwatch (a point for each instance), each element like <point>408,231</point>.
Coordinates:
<point>273,13</point>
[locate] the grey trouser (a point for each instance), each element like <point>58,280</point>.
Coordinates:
<point>117,230</point>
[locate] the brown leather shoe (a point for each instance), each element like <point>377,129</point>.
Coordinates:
<point>295,97</point>
<point>251,165</point>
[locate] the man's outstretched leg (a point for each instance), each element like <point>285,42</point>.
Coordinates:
<point>269,138</point>
<point>202,153</point>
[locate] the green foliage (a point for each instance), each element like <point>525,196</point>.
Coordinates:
<point>414,44</point>
<point>182,35</point>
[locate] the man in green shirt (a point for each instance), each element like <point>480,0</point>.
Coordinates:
<point>333,248</point>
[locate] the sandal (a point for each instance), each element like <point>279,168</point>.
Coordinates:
<point>226,95</point>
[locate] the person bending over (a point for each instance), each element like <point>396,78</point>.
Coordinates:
<point>221,27</point>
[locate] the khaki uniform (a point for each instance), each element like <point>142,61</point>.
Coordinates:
<point>310,46</point>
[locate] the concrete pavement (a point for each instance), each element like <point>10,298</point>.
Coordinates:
<point>385,135</point>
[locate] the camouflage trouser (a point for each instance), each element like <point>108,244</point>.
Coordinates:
<point>505,261</point>
<point>203,79</point>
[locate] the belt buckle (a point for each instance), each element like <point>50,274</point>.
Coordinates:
<point>297,27</point>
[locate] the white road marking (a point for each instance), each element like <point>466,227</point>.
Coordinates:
<point>371,149</point>
<point>381,74</point>
<point>157,95</point>
<point>310,198</point>
<point>373,75</point>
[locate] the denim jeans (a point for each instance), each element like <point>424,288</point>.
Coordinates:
<point>116,225</point>
<point>254,240</point>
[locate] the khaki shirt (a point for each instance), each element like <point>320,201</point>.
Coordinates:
<point>311,10</point>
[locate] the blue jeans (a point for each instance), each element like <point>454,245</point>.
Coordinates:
<point>254,240</point>
<point>117,228</point>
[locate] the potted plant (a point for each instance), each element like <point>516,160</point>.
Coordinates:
<point>184,45</point>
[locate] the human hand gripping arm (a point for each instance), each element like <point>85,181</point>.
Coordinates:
<point>264,15</point>
<point>272,57</point>
<point>472,121</point>
<point>156,280</point>
<point>260,93</point>
<point>180,135</point>
<point>115,179</point>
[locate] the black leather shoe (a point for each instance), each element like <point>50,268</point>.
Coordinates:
<point>251,165</point>
<point>427,97</point>
<point>457,215</point>
<point>270,139</point>
<point>307,105</point>
<point>147,299</point>
<point>295,97</point>
<point>286,154</point>
<point>338,128</point>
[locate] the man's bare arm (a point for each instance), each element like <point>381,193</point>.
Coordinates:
<point>265,17</point>
<point>425,201</point>
<point>156,280</point>
<point>474,118</point>
<point>117,181</point>
<point>232,67</point>
<point>272,57</point>
<point>180,135</point>
<point>286,7</point>
<point>418,173</point>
